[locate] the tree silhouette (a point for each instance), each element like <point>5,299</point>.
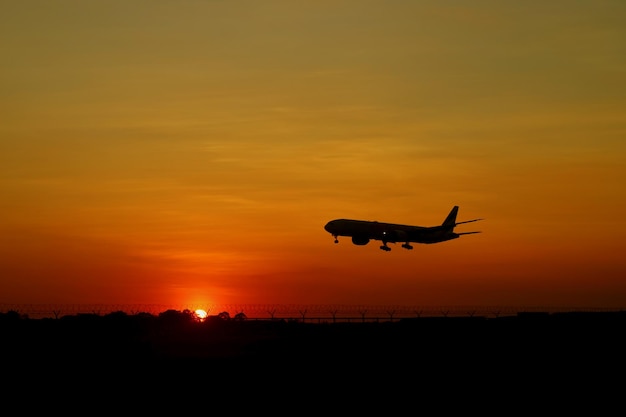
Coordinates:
<point>224,316</point>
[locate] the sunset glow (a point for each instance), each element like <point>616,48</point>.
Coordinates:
<point>190,155</point>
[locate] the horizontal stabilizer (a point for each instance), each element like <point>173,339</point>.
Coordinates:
<point>467,233</point>
<point>469,221</point>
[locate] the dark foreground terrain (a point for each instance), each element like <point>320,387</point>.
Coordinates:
<point>529,354</point>
<point>583,337</point>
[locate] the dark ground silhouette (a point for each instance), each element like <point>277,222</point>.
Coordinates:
<point>175,335</point>
<point>529,357</point>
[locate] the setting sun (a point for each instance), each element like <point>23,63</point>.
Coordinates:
<point>201,314</point>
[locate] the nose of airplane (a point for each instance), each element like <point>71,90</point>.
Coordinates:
<point>328,226</point>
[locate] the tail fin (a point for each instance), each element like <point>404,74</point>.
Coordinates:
<point>450,221</point>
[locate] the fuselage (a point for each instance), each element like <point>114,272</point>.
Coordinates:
<point>362,231</point>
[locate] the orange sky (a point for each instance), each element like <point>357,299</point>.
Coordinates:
<point>189,153</point>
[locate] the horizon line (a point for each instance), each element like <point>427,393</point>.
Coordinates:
<point>303,311</point>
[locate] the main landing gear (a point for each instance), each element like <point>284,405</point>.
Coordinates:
<point>387,248</point>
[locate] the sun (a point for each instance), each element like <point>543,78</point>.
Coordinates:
<point>201,314</point>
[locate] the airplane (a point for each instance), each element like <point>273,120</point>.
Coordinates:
<point>362,231</point>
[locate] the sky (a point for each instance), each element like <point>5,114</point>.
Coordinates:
<point>189,153</point>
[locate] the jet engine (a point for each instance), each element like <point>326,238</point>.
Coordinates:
<point>358,240</point>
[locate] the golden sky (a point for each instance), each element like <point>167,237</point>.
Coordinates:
<point>190,152</point>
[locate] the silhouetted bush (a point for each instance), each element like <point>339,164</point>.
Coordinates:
<point>174,316</point>
<point>224,315</point>
<point>240,317</point>
<point>13,315</point>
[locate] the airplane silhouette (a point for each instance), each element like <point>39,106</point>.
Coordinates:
<point>362,231</point>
